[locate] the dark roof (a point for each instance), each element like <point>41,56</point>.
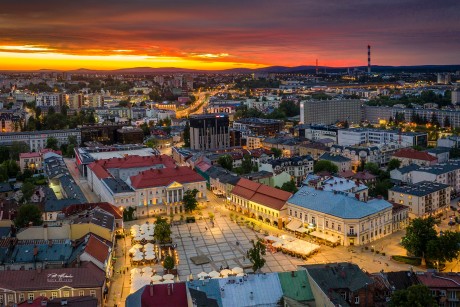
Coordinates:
<point>333,157</point>
<point>201,299</point>
<point>402,279</point>
<point>76,301</point>
<point>117,185</point>
<point>86,276</point>
<point>408,168</point>
<point>258,175</point>
<point>98,217</point>
<point>420,189</point>
<point>157,295</point>
<point>5,187</point>
<point>53,205</point>
<point>438,150</point>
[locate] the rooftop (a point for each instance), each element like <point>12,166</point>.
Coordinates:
<point>408,168</point>
<point>116,185</point>
<point>97,249</point>
<point>261,194</point>
<point>158,295</point>
<point>439,280</point>
<point>295,285</point>
<point>410,153</point>
<point>98,217</point>
<point>440,168</point>
<point>338,204</point>
<point>420,189</point>
<point>333,157</point>
<point>164,177</point>
<point>86,276</point>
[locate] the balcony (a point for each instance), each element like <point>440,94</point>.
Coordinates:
<point>352,235</point>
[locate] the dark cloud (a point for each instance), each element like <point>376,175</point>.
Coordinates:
<point>289,32</point>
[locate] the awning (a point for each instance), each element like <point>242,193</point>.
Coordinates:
<point>302,230</point>
<point>324,236</point>
<point>294,225</point>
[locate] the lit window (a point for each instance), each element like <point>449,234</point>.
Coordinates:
<point>54,294</point>
<point>30,296</point>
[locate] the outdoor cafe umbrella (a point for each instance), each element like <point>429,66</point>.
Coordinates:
<point>156,278</point>
<point>135,270</point>
<point>149,257</point>
<point>148,245</point>
<point>225,272</point>
<point>237,270</point>
<point>240,274</point>
<point>138,258</point>
<point>168,281</point>
<point>138,246</point>
<point>168,276</point>
<point>148,237</point>
<point>133,250</point>
<point>147,269</point>
<point>214,274</point>
<point>203,275</point>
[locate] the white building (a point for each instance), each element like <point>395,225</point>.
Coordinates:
<point>445,173</point>
<point>423,199</point>
<point>49,100</point>
<point>340,218</point>
<point>357,136</point>
<point>36,140</point>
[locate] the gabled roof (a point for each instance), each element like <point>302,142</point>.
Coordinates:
<point>97,249</point>
<point>333,157</point>
<point>136,161</point>
<point>261,194</point>
<point>410,153</point>
<point>439,280</point>
<point>157,295</point>
<point>164,177</point>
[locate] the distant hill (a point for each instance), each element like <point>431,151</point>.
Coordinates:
<point>269,69</point>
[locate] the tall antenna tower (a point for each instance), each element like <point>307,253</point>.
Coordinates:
<point>369,59</point>
<point>316,66</point>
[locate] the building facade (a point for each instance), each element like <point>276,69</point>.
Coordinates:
<point>330,111</point>
<point>209,132</point>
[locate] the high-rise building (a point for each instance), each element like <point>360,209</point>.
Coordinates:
<point>330,111</point>
<point>75,101</point>
<point>50,100</point>
<point>209,132</point>
<point>96,100</point>
<point>455,96</point>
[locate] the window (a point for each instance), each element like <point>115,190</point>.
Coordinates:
<point>339,228</point>
<point>442,293</point>
<point>1,299</point>
<point>43,294</point>
<point>344,295</point>
<point>327,223</point>
<point>92,293</point>
<point>356,299</point>
<point>10,298</point>
<point>352,230</point>
<point>333,225</point>
<point>66,293</point>
<point>21,297</point>
<point>53,294</point>
<point>81,293</point>
<point>30,296</point>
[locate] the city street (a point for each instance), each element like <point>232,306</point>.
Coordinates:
<point>81,182</point>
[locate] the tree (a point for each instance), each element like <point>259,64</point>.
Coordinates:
<point>226,161</point>
<point>11,167</point>
<point>28,214</point>
<point>325,165</point>
<point>246,165</point>
<point>168,263</point>
<point>277,152</point>
<point>17,148</point>
<point>152,143</point>
<point>187,135</point>
<point>393,164</point>
<point>255,254</point>
<point>416,296</point>
<point>4,153</point>
<point>189,200</point>
<point>445,247</point>
<point>162,232</point>
<point>52,143</point>
<point>373,168</point>
<point>419,232</point>
<point>381,188</point>
<point>27,189</point>
<point>289,186</point>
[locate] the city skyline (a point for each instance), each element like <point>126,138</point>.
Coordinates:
<point>222,35</point>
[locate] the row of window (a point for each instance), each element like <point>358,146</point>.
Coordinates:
<point>31,296</point>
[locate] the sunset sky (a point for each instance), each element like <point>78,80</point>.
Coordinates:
<point>213,34</point>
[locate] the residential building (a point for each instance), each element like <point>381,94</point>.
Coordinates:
<point>96,100</point>
<point>36,140</point>
<point>340,284</point>
<point>34,160</point>
<point>165,295</point>
<point>259,201</point>
<point>339,217</point>
<point>19,286</point>
<point>76,301</point>
<point>318,132</point>
<point>75,101</point>
<point>209,132</point>
<point>11,121</point>
<point>336,184</point>
<point>400,216</point>
<point>343,163</point>
<point>50,100</point>
<point>298,167</point>
<point>330,111</point>
<point>411,156</point>
<point>314,149</point>
<point>404,174</point>
<point>445,173</point>
<point>289,146</point>
<point>253,142</point>
<point>444,287</point>
<point>423,199</point>
<point>440,153</point>
<point>358,136</point>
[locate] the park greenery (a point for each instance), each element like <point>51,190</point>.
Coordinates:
<point>289,186</point>
<point>421,240</point>
<point>255,255</point>
<point>278,153</point>
<point>325,166</point>
<point>168,263</point>
<point>28,214</point>
<point>162,232</point>
<point>189,200</point>
<point>416,295</point>
<point>226,162</point>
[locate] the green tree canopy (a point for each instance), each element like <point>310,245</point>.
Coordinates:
<point>27,189</point>
<point>419,232</point>
<point>226,161</point>
<point>152,143</point>
<point>393,164</point>
<point>324,165</point>
<point>277,152</point>
<point>52,143</point>
<point>372,167</point>
<point>26,214</point>
<point>162,232</point>
<point>168,263</point>
<point>255,255</point>
<point>289,186</point>
<point>16,148</point>
<point>189,200</point>
<point>414,296</point>
<point>445,247</point>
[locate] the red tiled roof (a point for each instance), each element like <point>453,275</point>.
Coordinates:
<point>364,176</point>
<point>29,155</point>
<point>86,276</point>
<point>261,194</point>
<point>46,150</point>
<point>77,208</point>
<point>411,153</point>
<point>97,249</point>
<point>439,280</point>
<point>203,166</point>
<point>164,177</point>
<point>346,174</point>
<point>157,295</point>
<point>136,161</point>
<point>99,171</point>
